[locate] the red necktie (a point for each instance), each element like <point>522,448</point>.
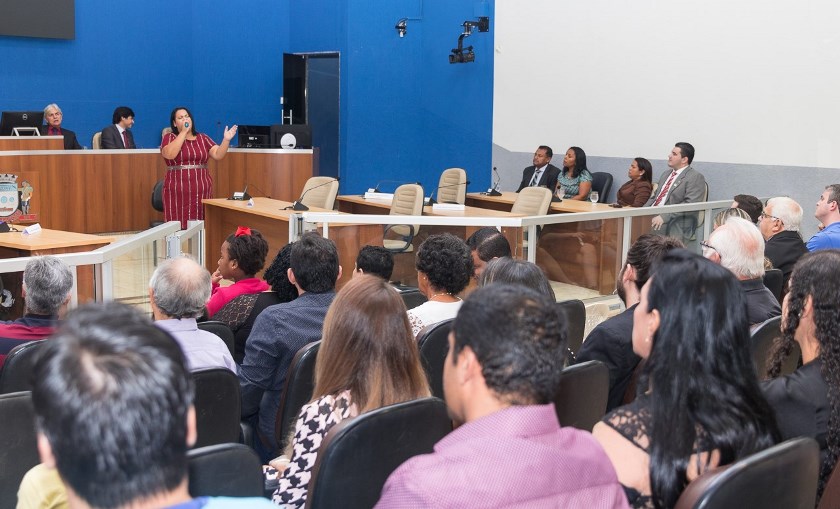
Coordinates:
<point>125,139</point>
<point>665,188</point>
<point>53,131</point>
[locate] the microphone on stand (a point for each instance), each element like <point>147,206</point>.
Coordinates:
<point>375,189</point>
<point>298,204</point>
<point>494,191</point>
<point>431,201</point>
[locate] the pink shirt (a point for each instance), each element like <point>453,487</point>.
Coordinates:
<point>223,294</point>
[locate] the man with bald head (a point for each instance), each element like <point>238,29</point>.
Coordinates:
<point>779,225</point>
<point>178,291</point>
<point>738,246</point>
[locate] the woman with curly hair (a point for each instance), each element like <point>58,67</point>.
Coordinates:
<point>242,256</point>
<point>699,405</point>
<point>807,402</point>
<point>444,266</point>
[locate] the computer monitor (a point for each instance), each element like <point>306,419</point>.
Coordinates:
<point>11,119</point>
<point>254,136</point>
<point>301,136</point>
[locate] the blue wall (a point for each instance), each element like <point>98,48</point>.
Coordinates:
<point>406,113</point>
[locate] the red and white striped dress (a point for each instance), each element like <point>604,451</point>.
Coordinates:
<point>187,180</point>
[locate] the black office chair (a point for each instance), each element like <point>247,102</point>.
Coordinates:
<point>411,295</point>
<point>157,201</point>
<point>763,337</point>
<point>225,470</point>
<point>357,455</point>
<point>774,281</point>
<point>434,345</point>
<point>16,373</point>
<point>220,329</point>
<point>602,182</point>
<point>575,317</point>
<point>581,399</point>
<point>300,382</point>
<point>18,444</point>
<point>781,477</point>
<point>218,405</point>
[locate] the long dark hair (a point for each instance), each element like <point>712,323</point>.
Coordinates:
<point>580,162</point>
<point>172,120</point>
<point>646,167</point>
<point>700,373</point>
<point>815,276</point>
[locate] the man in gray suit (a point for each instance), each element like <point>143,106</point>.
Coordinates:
<point>683,184</point>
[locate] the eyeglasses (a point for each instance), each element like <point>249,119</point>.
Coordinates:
<point>768,216</point>
<point>706,245</point>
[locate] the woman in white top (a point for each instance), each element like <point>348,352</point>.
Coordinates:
<point>444,266</point>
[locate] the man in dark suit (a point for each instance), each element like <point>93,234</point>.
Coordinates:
<point>779,225</point>
<point>53,116</point>
<point>118,135</point>
<point>683,184</point>
<point>546,174</point>
<point>611,342</point>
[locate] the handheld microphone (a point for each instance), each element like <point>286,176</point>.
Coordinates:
<point>186,124</point>
<point>298,205</point>
<point>431,201</point>
<point>494,191</point>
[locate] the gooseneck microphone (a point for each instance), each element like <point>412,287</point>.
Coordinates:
<point>375,188</point>
<point>494,191</point>
<point>298,205</point>
<point>431,201</point>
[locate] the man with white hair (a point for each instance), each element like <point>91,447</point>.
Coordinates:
<point>178,291</point>
<point>739,246</point>
<point>53,118</point>
<point>779,225</point>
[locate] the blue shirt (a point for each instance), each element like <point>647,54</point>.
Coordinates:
<point>829,238</point>
<point>279,332</point>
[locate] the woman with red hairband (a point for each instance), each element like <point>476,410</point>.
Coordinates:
<point>243,255</point>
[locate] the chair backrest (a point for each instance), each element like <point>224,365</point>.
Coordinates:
<point>300,382</point>
<point>532,201</point>
<point>449,190</point>
<point>408,201</point>
<point>225,470</point>
<point>218,405</point>
<point>831,493</point>
<point>411,295</point>
<point>774,281</point>
<point>575,318</point>
<point>323,196</point>
<point>434,345</point>
<point>602,182</point>
<point>96,142</point>
<point>16,373</point>
<point>357,455</point>
<point>581,399</point>
<point>782,476</point>
<point>157,196</point>
<point>220,329</point>
<point>18,444</point>
<point>763,336</point>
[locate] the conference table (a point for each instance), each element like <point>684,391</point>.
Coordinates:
<point>16,244</point>
<point>272,217</point>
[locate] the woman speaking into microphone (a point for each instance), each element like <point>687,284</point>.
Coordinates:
<point>187,180</point>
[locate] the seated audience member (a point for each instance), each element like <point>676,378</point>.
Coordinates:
<point>243,255</point>
<point>502,371</point>
<point>281,330</point>
<point>683,184</point>
<point>240,313</point>
<point>611,341</point>
<point>177,292</point>
<point>517,272</point>
<point>724,215</point>
<point>636,191</point>
<point>109,373</point>
<point>367,360</point>
<point>698,403</point>
<point>739,246</point>
<point>575,180</point>
<point>444,266</point>
<point>118,134</point>
<point>806,401</point>
<point>47,283</point>
<point>749,204</point>
<point>779,225</point>
<point>376,261</point>
<point>542,173</point>
<point>53,118</point>
<point>828,214</point>
<point>487,244</point>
